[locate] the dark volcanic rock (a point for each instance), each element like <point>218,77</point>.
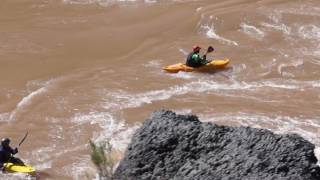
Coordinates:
<point>170,146</point>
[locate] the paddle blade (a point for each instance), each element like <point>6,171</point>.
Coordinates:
<point>210,49</point>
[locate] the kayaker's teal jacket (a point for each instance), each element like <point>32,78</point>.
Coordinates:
<point>195,60</point>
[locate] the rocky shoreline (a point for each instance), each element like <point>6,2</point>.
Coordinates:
<point>171,146</point>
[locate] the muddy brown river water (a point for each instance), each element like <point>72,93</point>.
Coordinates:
<point>74,70</point>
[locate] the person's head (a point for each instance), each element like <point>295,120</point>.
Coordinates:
<point>196,48</point>
<point>5,141</point>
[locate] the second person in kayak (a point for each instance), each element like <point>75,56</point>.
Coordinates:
<point>194,59</point>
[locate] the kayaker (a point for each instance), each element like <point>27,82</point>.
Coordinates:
<point>6,153</point>
<point>194,59</point>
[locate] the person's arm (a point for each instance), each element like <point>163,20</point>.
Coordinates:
<point>13,151</point>
<point>204,60</point>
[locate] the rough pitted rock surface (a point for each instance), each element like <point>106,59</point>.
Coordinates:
<point>170,146</point>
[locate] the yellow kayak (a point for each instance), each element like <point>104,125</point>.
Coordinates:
<point>213,65</point>
<point>12,168</point>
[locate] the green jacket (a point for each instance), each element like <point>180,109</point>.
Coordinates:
<point>195,60</point>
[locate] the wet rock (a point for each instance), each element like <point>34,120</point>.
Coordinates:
<point>171,146</point>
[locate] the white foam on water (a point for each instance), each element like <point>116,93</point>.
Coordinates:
<point>199,9</point>
<point>93,118</point>
<point>43,166</point>
<point>4,117</point>
<point>315,84</point>
<point>150,1</point>
<point>43,157</point>
<point>276,18</point>
<point>120,139</point>
<point>305,84</point>
<point>310,31</point>
<point>280,27</point>
<point>317,153</point>
<point>15,176</point>
<point>43,154</point>
<point>153,64</point>
<point>183,111</point>
<point>122,99</point>
<point>239,68</point>
<point>314,52</point>
<point>127,100</point>
<point>302,9</point>
<point>184,52</point>
<point>210,33</point>
<point>114,130</point>
<point>317,54</point>
<point>80,169</point>
<point>290,64</point>
<point>290,84</point>
<point>27,100</point>
<point>304,37</point>
<point>181,75</point>
<point>117,132</point>
<point>111,2</point>
<point>254,98</point>
<point>106,2</point>
<point>268,67</point>
<point>252,31</point>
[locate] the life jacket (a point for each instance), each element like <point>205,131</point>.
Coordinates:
<point>190,62</point>
<point>5,154</point>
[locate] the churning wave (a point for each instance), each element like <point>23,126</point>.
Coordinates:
<point>211,33</point>
<point>28,99</point>
<point>113,129</point>
<point>252,31</point>
<point>107,2</point>
<point>123,99</point>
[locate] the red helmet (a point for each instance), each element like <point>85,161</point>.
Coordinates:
<point>196,48</point>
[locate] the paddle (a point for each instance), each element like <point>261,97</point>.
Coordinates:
<point>209,50</point>
<point>24,138</point>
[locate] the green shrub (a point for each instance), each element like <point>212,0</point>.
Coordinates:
<point>102,159</point>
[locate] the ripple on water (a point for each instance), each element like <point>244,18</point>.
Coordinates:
<point>211,33</point>
<point>252,31</point>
